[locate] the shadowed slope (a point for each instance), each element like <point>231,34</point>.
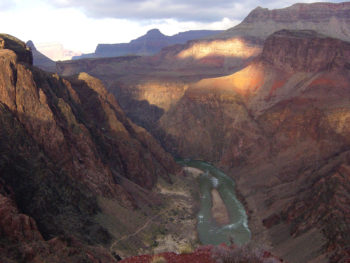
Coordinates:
<point>64,144</point>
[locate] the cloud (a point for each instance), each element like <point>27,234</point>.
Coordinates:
<point>181,10</point>
<point>6,5</point>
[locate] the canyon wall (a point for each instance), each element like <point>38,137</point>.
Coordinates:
<point>66,144</point>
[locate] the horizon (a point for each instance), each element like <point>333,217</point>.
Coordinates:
<point>80,26</point>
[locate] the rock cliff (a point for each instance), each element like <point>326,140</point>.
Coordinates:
<point>64,144</point>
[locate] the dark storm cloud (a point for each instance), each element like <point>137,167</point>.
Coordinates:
<point>183,10</point>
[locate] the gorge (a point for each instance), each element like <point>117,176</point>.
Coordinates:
<point>87,164</point>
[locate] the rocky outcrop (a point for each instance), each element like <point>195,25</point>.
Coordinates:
<point>331,19</point>
<point>19,47</point>
<point>149,44</point>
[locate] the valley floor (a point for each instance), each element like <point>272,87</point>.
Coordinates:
<point>169,227</point>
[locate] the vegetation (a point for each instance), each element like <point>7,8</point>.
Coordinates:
<point>158,259</point>
<point>186,248</point>
<point>241,254</point>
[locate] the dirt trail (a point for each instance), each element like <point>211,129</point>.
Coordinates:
<point>138,230</point>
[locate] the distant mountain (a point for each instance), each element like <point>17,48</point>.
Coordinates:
<point>148,44</point>
<point>40,60</point>
<point>332,19</point>
<point>56,51</point>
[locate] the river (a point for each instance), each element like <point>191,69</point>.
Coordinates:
<point>209,232</point>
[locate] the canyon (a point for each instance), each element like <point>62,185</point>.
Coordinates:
<point>87,153</point>
<point>271,111</point>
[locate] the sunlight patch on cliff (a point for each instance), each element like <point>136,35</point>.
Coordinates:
<point>244,82</point>
<point>228,48</point>
<point>161,94</point>
<point>339,120</point>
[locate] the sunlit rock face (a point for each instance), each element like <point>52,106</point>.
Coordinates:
<point>226,48</point>
<point>332,19</point>
<point>209,55</point>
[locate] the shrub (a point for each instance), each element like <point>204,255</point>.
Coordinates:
<point>158,259</point>
<point>240,254</point>
<point>186,248</point>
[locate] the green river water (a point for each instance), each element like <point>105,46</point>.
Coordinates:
<point>208,231</point>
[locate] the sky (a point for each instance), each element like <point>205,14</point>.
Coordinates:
<point>81,24</point>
